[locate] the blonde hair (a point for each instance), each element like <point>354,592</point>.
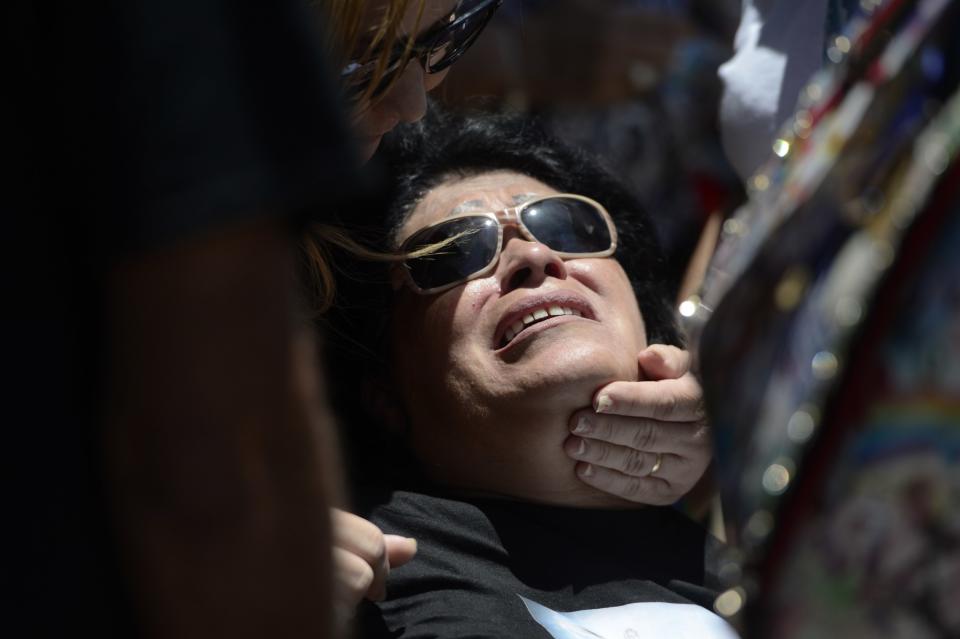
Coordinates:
<point>315,248</point>
<point>347,24</point>
<point>320,279</point>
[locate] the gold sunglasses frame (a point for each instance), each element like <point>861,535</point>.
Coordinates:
<point>511,216</point>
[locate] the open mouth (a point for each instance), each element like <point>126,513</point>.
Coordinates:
<point>520,321</point>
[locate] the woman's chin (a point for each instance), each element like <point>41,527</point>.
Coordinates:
<point>577,375</point>
<point>367,147</point>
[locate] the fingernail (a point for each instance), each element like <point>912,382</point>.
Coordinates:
<point>603,403</point>
<point>583,425</point>
<point>581,448</point>
<point>586,470</point>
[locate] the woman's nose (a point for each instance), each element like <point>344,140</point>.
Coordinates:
<point>526,264</point>
<point>407,97</point>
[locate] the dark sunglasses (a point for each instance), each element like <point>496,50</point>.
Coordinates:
<point>435,50</point>
<point>462,248</point>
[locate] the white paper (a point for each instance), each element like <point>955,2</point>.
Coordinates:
<point>632,621</point>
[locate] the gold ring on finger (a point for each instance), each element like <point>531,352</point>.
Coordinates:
<point>656,464</point>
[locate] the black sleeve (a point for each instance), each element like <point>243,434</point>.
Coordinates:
<point>173,116</point>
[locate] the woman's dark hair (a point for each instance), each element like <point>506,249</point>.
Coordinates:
<point>419,157</point>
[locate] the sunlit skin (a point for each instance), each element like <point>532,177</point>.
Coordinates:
<point>492,420</point>
<point>406,100</point>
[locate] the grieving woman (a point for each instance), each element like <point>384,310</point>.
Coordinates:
<point>530,282</point>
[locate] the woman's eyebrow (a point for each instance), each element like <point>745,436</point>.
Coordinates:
<point>483,206</point>
<point>469,205</point>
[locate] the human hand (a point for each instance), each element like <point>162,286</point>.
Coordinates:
<point>362,558</point>
<point>645,441</point>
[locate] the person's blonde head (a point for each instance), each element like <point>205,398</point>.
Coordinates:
<point>355,30</point>
<point>367,30</point>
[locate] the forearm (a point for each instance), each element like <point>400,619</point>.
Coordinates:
<point>218,452</point>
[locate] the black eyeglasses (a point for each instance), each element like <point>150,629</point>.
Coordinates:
<point>436,49</point>
<point>462,248</point>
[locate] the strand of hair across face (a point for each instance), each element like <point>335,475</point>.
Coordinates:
<point>322,281</point>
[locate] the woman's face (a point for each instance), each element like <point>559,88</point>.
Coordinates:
<point>475,403</point>
<point>406,100</point>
